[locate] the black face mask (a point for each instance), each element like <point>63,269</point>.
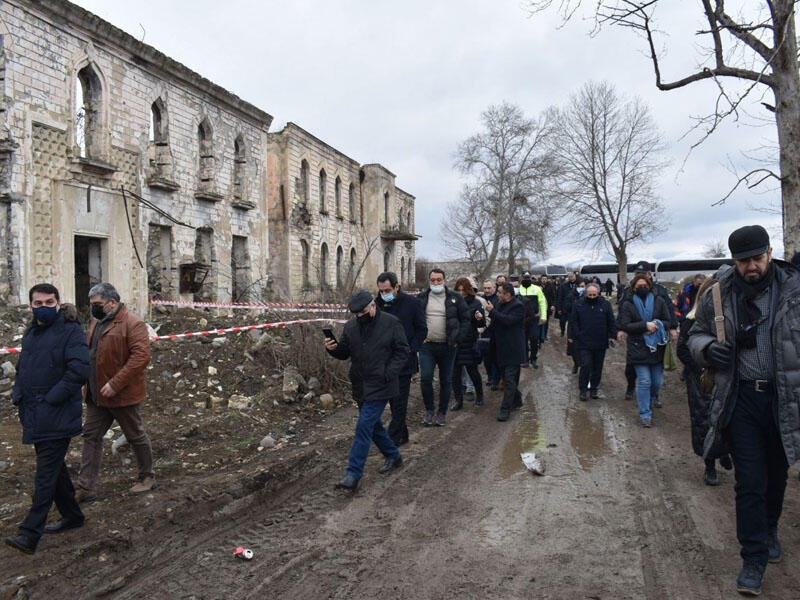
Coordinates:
<point>526,282</point>
<point>97,312</point>
<point>591,300</point>
<point>642,292</point>
<point>364,319</point>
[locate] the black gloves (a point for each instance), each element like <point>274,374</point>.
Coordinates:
<point>720,355</point>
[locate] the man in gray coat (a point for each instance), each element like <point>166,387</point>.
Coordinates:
<point>757,386</point>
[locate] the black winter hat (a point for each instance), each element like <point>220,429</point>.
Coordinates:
<point>359,301</point>
<point>747,241</point>
<point>642,267</point>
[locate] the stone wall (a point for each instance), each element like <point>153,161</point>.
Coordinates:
<point>156,148</point>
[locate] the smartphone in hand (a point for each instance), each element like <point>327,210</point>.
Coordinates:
<point>329,334</point>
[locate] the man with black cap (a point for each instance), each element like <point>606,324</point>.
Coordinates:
<point>376,344</point>
<point>756,388</point>
<point>644,268</point>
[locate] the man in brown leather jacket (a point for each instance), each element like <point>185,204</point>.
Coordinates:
<point>119,351</point>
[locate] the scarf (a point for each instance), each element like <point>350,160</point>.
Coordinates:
<point>749,314</point>
<point>659,336</point>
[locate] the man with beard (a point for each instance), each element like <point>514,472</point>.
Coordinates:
<point>756,388</point>
<point>376,344</point>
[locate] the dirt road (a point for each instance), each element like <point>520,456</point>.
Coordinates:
<point>621,512</point>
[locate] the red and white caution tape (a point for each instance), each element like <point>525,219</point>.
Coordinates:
<point>283,306</point>
<point>176,336</point>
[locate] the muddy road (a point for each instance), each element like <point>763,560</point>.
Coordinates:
<point>621,512</point>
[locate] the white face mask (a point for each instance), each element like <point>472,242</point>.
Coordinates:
<point>437,289</point>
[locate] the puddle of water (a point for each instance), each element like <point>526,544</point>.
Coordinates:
<point>586,436</point>
<point>527,437</point>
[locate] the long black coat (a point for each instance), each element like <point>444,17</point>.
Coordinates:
<point>631,322</point>
<point>51,370</point>
<point>508,332</point>
<point>466,347</point>
<point>379,352</point>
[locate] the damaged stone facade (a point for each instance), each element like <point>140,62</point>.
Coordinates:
<point>334,224</point>
<point>119,164</point>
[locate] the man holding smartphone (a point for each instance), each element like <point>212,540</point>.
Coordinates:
<point>376,344</point>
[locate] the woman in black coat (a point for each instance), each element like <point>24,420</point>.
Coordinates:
<point>467,355</point>
<point>644,316</point>
<point>699,402</point>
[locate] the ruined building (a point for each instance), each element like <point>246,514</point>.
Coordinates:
<point>118,163</point>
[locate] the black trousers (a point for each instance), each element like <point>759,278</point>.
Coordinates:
<point>761,470</point>
<point>591,369</point>
<point>397,429</point>
<point>52,484</point>
<point>512,398</point>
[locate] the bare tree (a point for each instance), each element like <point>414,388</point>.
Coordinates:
<point>610,158</point>
<point>757,49</point>
<point>502,212</point>
<point>715,249</point>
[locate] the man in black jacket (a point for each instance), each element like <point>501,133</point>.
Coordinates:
<point>376,344</point>
<point>592,327</point>
<point>52,368</point>
<point>447,318</point>
<point>508,336</point>
<point>391,299</point>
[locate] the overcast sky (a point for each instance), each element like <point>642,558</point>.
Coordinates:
<point>402,83</point>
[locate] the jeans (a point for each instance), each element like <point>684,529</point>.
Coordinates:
<point>761,469</point>
<point>97,420</point>
<point>398,430</point>
<point>52,484</point>
<point>369,428</point>
<point>591,369</point>
<point>512,398</point>
<point>543,329</point>
<point>648,383</point>
<point>466,381</point>
<point>490,362</point>
<point>431,356</point>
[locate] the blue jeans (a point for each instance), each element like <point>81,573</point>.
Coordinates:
<point>443,356</point>
<point>761,468</point>
<point>648,383</point>
<point>543,329</point>
<point>369,428</point>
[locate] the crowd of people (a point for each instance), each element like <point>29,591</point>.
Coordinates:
<point>734,337</point>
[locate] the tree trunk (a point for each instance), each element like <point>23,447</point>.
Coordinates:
<point>787,109</point>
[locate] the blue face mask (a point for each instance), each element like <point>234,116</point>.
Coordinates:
<point>437,289</point>
<point>45,314</point>
<point>580,291</point>
<point>387,297</point>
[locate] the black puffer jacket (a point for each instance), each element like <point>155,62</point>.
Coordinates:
<point>379,352</point>
<point>456,314</point>
<point>52,368</point>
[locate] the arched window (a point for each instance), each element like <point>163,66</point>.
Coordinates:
<point>387,257</point>
<point>305,265</point>
<point>386,209</point>
<point>323,184</point>
<point>402,269</point>
<point>352,267</point>
<point>205,140</point>
<point>352,202</point>
<point>88,118</point>
<point>239,169</point>
<point>304,182</point>
<point>339,261</point>
<point>337,193</point>
<point>323,265</point>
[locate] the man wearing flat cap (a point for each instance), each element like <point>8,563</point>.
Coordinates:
<point>756,388</point>
<point>376,344</point>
